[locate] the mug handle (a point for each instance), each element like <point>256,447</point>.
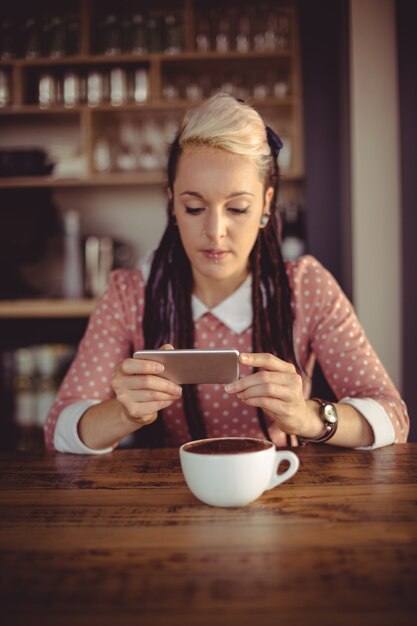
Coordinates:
<point>283,455</point>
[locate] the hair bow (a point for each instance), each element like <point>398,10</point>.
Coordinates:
<point>274,141</point>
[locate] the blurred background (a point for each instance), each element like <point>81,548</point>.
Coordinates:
<point>91,93</point>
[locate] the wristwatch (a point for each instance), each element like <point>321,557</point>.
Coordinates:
<point>328,414</point>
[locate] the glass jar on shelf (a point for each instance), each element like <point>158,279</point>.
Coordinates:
<point>97,87</point>
<point>154,33</point>
<point>111,35</point>
<point>7,40</point>
<point>173,34</point>
<point>243,33</point>
<point>48,92</point>
<point>118,86</point>
<point>140,85</point>
<point>283,28</point>
<point>138,34</point>
<point>56,44</point>
<point>223,35</point>
<point>31,38</point>
<point>71,89</point>
<point>5,88</point>
<point>72,25</point>
<point>202,40</point>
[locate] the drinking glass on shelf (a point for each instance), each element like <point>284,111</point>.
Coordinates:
<point>283,27</point>
<point>279,86</point>
<point>243,34</point>
<point>138,34</point>
<point>271,33</point>
<point>173,43</point>
<point>111,43</point>
<point>259,85</point>
<point>102,155</point>
<point>259,43</point>
<point>96,89</point>
<point>149,157</point>
<point>56,46</point>
<point>71,89</point>
<point>169,129</point>
<point>140,85</point>
<point>205,85</point>
<point>223,35</point>
<point>228,85</point>
<point>7,40</point>
<point>72,26</point>
<point>193,91</point>
<point>126,157</point>
<point>154,34</point>
<point>47,90</point>
<point>5,88</point>
<point>202,40</point>
<point>170,90</point>
<point>118,86</point>
<point>32,44</point>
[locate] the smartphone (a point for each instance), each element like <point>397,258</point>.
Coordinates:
<point>186,367</point>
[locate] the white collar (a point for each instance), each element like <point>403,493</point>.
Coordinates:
<point>235,311</point>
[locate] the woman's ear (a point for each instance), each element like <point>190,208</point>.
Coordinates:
<point>169,194</point>
<point>269,194</point>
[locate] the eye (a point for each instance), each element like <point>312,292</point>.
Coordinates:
<point>237,211</point>
<point>193,210</point>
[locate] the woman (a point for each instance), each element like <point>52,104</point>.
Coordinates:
<point>217,279</point>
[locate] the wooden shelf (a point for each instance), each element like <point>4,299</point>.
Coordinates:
<point>150,105</point>
<point>46,308</point>
<point>96,180</point>
<point>158,57</point>
<point>130,179</point>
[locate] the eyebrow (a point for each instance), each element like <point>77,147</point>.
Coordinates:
<point>235,194</point>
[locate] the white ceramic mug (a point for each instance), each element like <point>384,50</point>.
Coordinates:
<point>233,471</point>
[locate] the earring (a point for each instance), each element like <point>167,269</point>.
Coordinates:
<point>264,220</point>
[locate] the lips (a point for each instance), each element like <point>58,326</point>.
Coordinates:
<point>215,255</point>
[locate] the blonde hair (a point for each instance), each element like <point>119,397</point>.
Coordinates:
<point>224,123</point>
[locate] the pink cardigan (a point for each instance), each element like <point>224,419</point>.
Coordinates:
<point>326,328</point>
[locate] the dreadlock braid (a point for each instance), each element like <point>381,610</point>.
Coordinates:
<point>271,297</point>
<point>168,319</point>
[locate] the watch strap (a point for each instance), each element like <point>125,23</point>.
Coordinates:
<point>330,427</point>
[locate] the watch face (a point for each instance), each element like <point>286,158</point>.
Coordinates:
<point>330,413</point>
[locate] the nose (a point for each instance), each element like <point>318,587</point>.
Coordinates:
<point>214,227</point>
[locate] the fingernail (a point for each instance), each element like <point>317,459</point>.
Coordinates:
<point>229,387</point>
<point>178,389</point>
<point>159,367</point>
<point>244,357</point>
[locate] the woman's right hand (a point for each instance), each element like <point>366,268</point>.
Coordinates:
<point>142,391</point>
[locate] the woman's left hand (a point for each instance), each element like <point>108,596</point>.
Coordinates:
<point>277,389</point>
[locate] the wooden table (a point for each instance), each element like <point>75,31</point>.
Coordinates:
<point>119,539</point>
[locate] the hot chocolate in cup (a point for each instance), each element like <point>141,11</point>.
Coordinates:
<point>234,471</point>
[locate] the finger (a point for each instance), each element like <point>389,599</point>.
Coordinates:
<point>272,405</point>
<point>140,366</point>
<point>268,390</point>
<point>262,377</point>
<point>146,395</point>
<point>149,382</point>
<point>167,346</point>
<point>266,360</point>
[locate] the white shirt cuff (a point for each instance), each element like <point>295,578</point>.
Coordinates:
<point>66,438</point>
<point>377,418</point>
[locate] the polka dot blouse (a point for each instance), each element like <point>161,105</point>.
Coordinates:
<point>325,329</point>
